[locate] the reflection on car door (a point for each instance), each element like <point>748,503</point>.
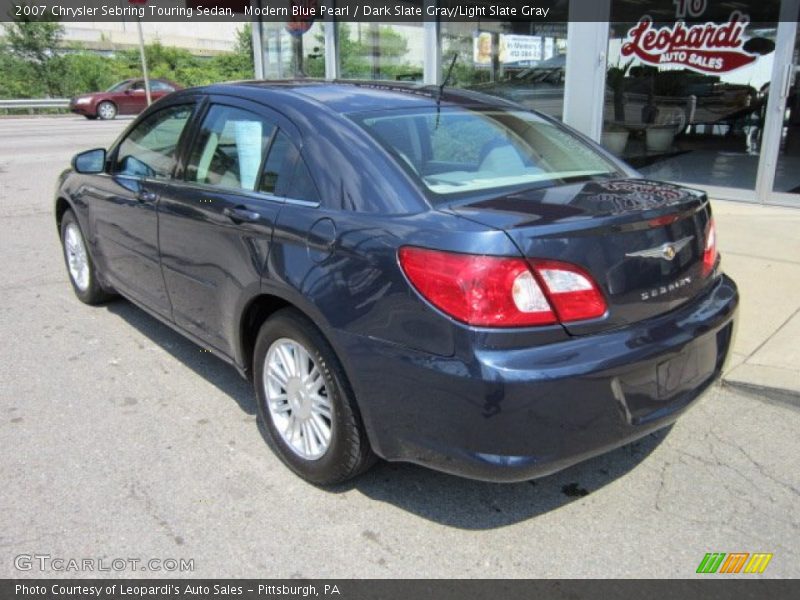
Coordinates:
<point>216,225</point>
<point>124,215</point>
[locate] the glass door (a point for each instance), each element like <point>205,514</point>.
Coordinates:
<point>779,170</point>
<point>691,116</point>
<point>786,186</point>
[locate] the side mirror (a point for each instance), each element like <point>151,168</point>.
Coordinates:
<point>89,162</point>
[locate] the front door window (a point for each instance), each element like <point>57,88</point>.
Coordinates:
<point>150,150</point>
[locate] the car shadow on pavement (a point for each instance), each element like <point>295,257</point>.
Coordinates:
<point>201,361</point>
<point>476,505</point>
<point>444,499</point>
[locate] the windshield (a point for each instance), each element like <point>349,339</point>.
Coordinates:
<point>463,151</point>
<point>118,87</point>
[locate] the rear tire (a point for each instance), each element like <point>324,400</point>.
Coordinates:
<point>305,402</point>
<point>106,110</point>
<point>80,266</point>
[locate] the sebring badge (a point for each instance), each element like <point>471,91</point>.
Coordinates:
<point>666,289</point>
<point>666,251</point>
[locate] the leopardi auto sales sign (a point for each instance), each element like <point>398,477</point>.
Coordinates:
<point>702,47</point>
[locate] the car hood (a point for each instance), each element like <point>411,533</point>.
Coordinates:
<point>89,96</point>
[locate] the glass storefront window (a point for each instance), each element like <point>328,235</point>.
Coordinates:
<point>292,52</point>
<point>787,172</point>
<point>392,51</point>
<point>521,61</point>
<point>686,101</point>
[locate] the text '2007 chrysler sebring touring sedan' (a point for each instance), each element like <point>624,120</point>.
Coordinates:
<point>413,273</point>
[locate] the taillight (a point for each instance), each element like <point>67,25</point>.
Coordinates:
<point>571,290</point>
<point>479,290</point>
<point>710,249</point>
<point>491,291</point>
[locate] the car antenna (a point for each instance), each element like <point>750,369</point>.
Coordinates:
<point>441,88</point>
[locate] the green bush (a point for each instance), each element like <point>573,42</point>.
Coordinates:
<point>35,65</point>
<point>83,72</point>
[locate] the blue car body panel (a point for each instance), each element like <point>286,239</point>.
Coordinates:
<point>485,403</point>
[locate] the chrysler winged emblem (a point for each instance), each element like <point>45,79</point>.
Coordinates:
<point>666,251</point>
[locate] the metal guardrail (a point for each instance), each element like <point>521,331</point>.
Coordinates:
<point>32,104</point>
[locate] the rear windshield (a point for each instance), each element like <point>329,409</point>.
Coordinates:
<point>458,151</point>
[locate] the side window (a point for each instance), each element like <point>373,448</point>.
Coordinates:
<point>150,149</point>
<point>303,187</point>
<point>229,149</point>
<point>274,178</point>
<point>161,86</point>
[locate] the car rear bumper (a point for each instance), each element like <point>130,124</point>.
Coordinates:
<point>512,415</point>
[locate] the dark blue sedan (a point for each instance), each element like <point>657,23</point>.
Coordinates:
<point>423,275</point>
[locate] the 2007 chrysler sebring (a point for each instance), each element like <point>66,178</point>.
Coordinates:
<point>425,275</point>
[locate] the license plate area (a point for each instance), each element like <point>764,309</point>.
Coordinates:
<point>688,369</point>
<point>656,389</point>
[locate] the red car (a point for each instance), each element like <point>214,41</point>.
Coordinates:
<point>125,98</point>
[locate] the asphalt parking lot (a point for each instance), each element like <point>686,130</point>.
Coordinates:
<point>123,440</point>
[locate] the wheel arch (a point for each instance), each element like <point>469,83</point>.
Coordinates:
<point>257,310</point>
<point>62,206</point>
<point>261,307</point>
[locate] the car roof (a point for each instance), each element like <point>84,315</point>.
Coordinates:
<point>356,96</point>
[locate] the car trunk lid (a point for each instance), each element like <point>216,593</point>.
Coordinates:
<point>642,241</point>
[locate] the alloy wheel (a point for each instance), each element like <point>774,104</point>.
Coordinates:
<point>106,111</point>
<point>77,257</point>
<point>297,399</point>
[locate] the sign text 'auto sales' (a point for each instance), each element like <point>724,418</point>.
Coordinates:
<point>705,48</point>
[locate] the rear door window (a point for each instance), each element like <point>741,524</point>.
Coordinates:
<point>303,187</point>
<point>160,86</point>
<point>230,149</point>
<point>274,179</point>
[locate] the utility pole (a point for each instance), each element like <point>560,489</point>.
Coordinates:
<point>144,62</point>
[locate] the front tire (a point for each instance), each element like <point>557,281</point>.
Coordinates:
<point>106,110</point>
<point>80,267</point>
<point>305,403</point>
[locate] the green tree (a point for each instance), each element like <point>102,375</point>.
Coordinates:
<point>356,52</point>
<point>18,77</point>
<point>35,40</point>
<point>168,62</point>
<point>83,72</point>
<point>33,64</point>
<point>237,64</point>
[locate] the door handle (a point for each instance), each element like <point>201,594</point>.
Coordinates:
<point>240,214</point>
<point>146,196</point>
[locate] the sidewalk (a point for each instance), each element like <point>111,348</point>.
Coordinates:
<point>760,249</point>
